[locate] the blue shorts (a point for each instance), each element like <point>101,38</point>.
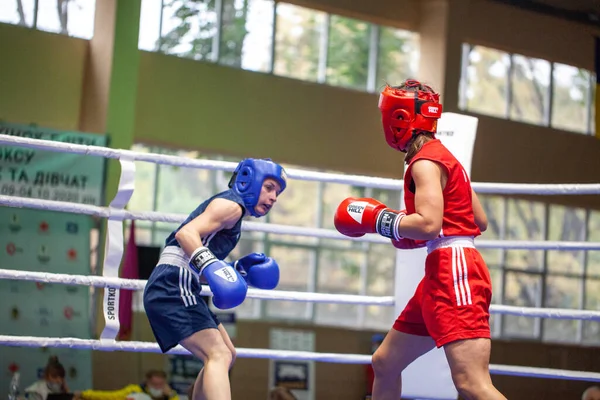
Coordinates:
<point>174,307</point>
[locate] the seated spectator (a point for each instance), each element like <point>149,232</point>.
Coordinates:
<point>53,381</point>
<point>281,393</point>
<point>155,387</point>
<point>591,393</point>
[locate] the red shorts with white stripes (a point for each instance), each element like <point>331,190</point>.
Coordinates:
<point>452,301</point>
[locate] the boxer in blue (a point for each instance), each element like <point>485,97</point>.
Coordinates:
<point>195,251</point>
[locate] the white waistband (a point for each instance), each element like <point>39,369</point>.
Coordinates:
<point>451,241</point>
<point>174,255</point>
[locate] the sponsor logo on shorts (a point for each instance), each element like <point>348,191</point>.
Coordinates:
<point>356,210</point>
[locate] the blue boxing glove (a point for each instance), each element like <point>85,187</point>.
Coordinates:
<point>228,286</point>
<point>259,270</point>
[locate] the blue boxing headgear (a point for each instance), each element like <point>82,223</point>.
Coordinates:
<point>248,178</point>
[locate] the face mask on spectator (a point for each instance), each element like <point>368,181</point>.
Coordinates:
<point>54,387</point>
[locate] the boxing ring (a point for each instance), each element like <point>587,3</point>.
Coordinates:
<point>116,214</point>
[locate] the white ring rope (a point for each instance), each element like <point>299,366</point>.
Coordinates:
<point>546,373</point>
<point>163,159</point>
<point>148,347</point>
<point>357,180</point>
<point>106,212</point>
<point>138,284</point>
<point>119,214</point>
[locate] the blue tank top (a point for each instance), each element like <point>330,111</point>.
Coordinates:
<point>222,242</point>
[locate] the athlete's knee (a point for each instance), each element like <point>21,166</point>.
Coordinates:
<point>472,386</point>
<point>463,385</point>
<point>385,364</point>
<point>220,354</point>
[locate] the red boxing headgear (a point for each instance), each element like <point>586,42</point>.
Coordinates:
<point>407,112</point>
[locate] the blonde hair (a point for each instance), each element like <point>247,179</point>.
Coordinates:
<point>415,145</point>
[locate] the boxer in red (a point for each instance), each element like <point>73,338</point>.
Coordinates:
<point>450,307</point>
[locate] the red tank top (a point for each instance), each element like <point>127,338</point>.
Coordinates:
<point>459,219</point>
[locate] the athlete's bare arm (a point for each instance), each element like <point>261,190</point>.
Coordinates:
<point>219,214</point>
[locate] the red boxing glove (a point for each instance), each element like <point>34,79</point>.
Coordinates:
<point>356,216</point>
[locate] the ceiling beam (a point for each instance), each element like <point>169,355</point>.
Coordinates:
<point>585,17</point>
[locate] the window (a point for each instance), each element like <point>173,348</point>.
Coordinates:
<point>150,25</point>
<point>542,278</point>
<point>530,89</point>
<point>281,38</point>
<point>571,98</point>
<point>524,290</point>
<point>525,221</point>
<point>562,292</point>
<point>381,266</point>
<point>486,81</point>
<point>348,53</point>
<point>297,41</point>
<point>565,271</point>
<point>71,18</point>
<point>339,273</point>
<point>527,89</point>
<point>494,207</point>
<point>189,29</point>
<point>246,32</point>
<point>18,13</point>
<point>398,56</point>
<point>591,329</point>
<point>566,224</point>
<point>593,260</point>
<point>297,206</point>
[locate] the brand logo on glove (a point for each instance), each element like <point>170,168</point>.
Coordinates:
<point>356,209</point>
<point>386,223</point>
<point>204,257</point>
<point>227,273</point>
<point>201,259</point>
